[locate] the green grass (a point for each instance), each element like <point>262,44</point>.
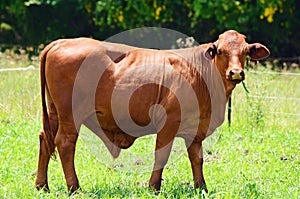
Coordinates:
<point>257,157</point>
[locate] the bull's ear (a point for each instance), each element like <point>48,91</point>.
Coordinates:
<point>211,51</point>
<point>258,51</point>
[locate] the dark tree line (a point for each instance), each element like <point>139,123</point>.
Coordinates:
<point>32,22</point>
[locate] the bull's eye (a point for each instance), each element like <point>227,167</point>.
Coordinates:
<point>219,52</point>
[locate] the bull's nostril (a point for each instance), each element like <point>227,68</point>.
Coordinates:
<point>231,73</point>
<point>242,74</point>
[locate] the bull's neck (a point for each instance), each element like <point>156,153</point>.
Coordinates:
<point>228,87</point>
<point>192,55</point>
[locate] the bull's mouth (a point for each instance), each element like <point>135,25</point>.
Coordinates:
<point>236,76</point>
<point>236,81</point>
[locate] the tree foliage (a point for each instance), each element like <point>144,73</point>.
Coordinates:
<point>273,22</point>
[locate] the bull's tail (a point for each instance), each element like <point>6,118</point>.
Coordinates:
<point>46,135</point>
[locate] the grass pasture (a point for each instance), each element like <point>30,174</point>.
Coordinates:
<point>257,157</point>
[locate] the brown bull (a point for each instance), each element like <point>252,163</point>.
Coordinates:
<point>122,93</point>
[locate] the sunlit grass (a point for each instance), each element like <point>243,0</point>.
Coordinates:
<point>257,157</point>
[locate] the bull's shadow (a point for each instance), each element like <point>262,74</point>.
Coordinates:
<point>126,191</point>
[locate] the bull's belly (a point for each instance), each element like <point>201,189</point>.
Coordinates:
<point>138,127</point>
<point>122,131</point>
<point>126,127</point>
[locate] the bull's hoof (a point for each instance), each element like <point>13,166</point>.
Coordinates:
<point>73,189</point>
<point>155,187</point>
<point>41,186</point>
<point>203,187</point>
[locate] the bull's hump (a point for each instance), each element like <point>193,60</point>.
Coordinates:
<point>148,56</point>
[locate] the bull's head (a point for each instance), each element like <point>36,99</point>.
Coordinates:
<point>230,52</point>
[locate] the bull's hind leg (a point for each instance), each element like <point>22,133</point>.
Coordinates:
<point>41,181</point>
<point>65,141</point>
<point>195,153</point>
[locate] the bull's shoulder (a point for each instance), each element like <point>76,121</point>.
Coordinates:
<point>154,58</point>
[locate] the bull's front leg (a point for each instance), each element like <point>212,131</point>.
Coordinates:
<point>195,153</point>
<point>162,152</point>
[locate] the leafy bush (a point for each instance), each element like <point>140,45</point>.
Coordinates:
<point>274,22</point>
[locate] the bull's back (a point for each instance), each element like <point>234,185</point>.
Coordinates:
<point>69,53</point>
<point>62,63</point>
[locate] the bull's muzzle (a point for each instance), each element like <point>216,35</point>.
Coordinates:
<point>236,75</point>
